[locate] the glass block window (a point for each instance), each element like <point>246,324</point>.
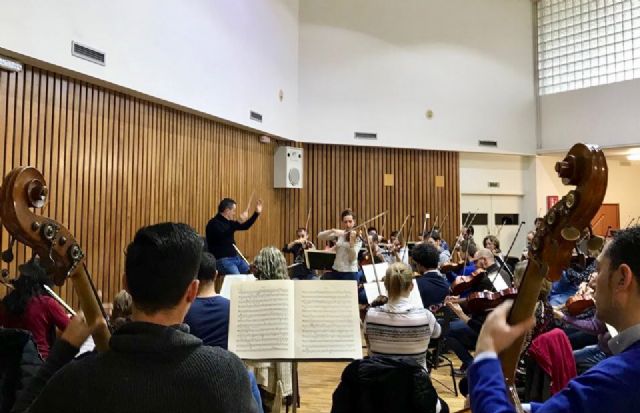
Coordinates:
<point>584,43</point>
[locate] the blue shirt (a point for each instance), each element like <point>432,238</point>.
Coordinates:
<point>208,319</point>
<point>609,386</point>
<point>433,288</point>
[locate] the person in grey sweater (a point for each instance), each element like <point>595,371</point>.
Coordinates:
<point>153,364</point>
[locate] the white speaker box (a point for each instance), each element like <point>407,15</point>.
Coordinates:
<point>287,167</point>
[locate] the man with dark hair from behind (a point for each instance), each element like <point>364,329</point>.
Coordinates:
<point>609,386</point>
<point>208,316</point>
<point>220,236</point>
<point>432,285</point>
<point>153,364</point>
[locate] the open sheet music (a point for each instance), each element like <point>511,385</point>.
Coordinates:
<point>231,279</point>
<point>371,289</point>
<point>284,319</point>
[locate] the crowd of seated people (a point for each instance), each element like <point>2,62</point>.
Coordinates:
<point>170,318</point>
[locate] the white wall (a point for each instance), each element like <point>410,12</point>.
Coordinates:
<point>220,57</point>
<point>605,115</point>
<point>378,65</point>
<point>621,188</point>
<point>516,194</point>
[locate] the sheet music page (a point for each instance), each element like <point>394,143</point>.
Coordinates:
<point>231,279</point>
<point>327,320</point>
<point>371,290</point>
<point>261,319</point>
<point>370,275</point>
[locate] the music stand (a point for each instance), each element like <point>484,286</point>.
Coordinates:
<point>319,260</point>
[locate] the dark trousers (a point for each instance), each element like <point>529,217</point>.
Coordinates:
<point>460,339</point>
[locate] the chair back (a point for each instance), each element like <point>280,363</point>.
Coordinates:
<point>384,384</point>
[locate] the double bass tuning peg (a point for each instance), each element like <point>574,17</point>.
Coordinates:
<point>570,233</point>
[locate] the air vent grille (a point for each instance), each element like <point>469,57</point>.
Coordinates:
<point>88,53</point>
<point>488,143</point>
<point>255,116</point>
<point>365,135</point>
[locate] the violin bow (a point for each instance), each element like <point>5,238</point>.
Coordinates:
<point>306,226</point>
<point>404,251</point>
<point>424,223</point>
<point>250,200</point>
<point>240,254</point>
<point>504,261</point>
<point>433,227</point>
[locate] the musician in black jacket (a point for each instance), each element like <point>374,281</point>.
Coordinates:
<point>220,231</point>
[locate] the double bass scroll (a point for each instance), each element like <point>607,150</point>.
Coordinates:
<point>60,254</point>
<point>584,167</point>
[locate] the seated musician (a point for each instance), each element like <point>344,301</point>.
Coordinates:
<point>611,385</point>
<point>435,239</point>
<point>153,363</point>
<point>297,247</point>
<point>208,316</point>
<point>364,255</point>
<point>467,252</point>
<point>395,251</point>
<point>572,278</point>
<point>492,243</point>
<point>498,275</point>
<point>432,285</point>
<point>397,328</point>
<point>270,264</point>
<point>29,307</point>
<point>463,333</point>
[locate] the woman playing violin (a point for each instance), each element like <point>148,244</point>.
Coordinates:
<point>348,244</point>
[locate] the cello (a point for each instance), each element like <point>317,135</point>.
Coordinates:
<point>60,254</point>
<point>584,167</point>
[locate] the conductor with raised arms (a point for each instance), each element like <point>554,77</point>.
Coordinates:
<point>220,236</point>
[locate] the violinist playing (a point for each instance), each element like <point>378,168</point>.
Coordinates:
<point>347,245</point>
<point>463,333</point>
<point>364,256</point>
<point>576,314</point>
<point>462,261</point>
<point>395,250</point>
<point>297,248</point>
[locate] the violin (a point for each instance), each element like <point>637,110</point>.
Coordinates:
<point>482,301</point>
<point>464,282</point>
<point>579,303</point>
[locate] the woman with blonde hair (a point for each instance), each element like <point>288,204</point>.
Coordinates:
<point>274,378</point>
<point>270,264</point>
<point>398,328</point>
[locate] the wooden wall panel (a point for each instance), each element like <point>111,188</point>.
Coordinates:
<point>339,177</point>
<point>114,163</point>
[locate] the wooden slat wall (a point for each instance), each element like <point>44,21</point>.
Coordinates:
<point>114,163</point>
<point>339,177</point>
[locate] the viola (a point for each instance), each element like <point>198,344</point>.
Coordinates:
<point>579,303</point>
<point>465,282</point>
<point>485,300</point>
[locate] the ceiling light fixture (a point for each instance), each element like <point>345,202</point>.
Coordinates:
<point>10,65</point>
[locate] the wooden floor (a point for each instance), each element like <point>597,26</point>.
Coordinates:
<point>319,380</point>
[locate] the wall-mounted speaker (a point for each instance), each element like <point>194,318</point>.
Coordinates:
<point>287,167</point>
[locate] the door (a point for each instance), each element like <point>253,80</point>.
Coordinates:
<point>496,210</point>
<point>606,219</point>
